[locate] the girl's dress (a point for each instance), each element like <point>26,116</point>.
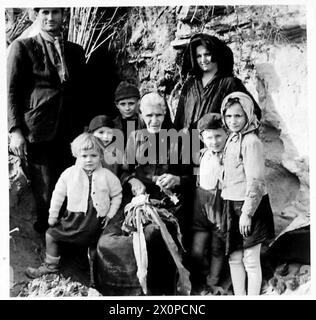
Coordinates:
<point>262,226</point>
<point>79,228</point>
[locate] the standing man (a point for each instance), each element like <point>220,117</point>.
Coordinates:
<point>45,76</point>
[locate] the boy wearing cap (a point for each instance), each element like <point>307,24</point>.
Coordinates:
<point>102,127</point>
<point>127,97</point>
<point>208,206</point>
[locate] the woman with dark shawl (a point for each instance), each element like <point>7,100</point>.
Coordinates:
<point>149,168</point>
<point>208,64</point>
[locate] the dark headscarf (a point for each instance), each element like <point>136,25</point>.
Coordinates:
<point>220,52</point>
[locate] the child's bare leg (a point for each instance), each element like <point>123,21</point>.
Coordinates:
<point>238,272</point>
<point>51,246</point>
<point>253,268</point>
<point>92,251</point>
<point>51,263</point>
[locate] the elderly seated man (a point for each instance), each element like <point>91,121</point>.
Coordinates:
<point>150,169</point>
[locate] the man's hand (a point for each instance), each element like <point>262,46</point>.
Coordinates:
<point>18,144</point>
<point>168,181</point>
<point>137,186</point>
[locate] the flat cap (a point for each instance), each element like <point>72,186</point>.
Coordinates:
<point>210,121</point>
<point>126,90</point>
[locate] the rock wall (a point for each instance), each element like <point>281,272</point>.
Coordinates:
<point>269,45</point>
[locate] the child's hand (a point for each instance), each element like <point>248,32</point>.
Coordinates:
<point>52,221</point>
<point>245,225</point>
<point>105,222</point>
<point>137,186</point>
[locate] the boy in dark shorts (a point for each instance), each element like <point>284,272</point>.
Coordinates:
<point>208,248</point>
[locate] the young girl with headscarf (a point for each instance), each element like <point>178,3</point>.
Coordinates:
<point>247,219</point>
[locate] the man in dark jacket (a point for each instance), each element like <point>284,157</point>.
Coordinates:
<point>45,84</point>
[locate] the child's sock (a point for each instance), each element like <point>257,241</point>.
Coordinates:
<point>52,260</point>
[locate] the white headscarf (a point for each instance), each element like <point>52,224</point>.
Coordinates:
<point>247,105</point>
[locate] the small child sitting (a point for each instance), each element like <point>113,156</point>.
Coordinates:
<point>93,194</point>
<point>126,98</point>
<point>208,206</point>
<point>102,127</point>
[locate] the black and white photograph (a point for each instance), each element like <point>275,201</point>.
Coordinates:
<point>157,150</point>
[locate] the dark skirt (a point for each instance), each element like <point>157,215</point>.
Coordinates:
<point>77,228</point>
<point>262,225</point>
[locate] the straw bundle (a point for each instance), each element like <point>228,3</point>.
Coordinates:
<point>89,27</point>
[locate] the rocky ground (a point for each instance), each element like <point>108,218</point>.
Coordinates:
<point>27,249</point>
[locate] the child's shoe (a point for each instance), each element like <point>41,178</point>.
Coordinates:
<point>44,268</point>
<point>214,291</point>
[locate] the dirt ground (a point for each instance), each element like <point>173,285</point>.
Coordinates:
<point>27,248</point>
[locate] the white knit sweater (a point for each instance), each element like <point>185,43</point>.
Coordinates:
<point>106,192</point>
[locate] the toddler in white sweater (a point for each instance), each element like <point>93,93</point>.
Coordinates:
<point>93,195</point>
